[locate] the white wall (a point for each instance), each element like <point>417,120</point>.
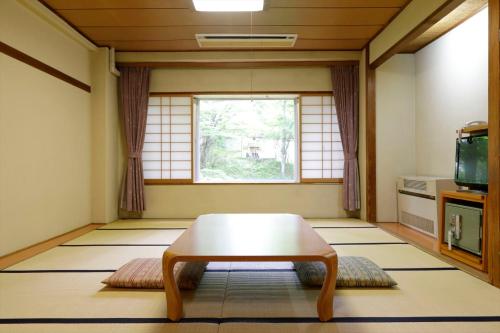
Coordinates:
<point>323,200</point>
<point>163,201</point>
<point>451,88</point>
<point>60,145</point>
<point>422,100</point>
<point>395,100</point>
<point>107,157</point>
<point>45,133</point>
<point>263,79</point>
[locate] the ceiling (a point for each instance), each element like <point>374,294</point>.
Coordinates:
<point>171,25</point>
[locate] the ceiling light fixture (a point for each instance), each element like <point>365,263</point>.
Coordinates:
<point>228,5</point>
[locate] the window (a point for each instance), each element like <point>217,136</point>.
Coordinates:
<point>322,155</point>
<point>242,139</point>
<point>167,145</point>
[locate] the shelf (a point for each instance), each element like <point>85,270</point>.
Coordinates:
<point>470,259</point>
<point>475,128</point>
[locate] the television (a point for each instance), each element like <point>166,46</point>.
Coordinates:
<point>471,162</point>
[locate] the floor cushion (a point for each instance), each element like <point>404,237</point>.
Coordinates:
<point>147,273</point>
<point>352,272</point>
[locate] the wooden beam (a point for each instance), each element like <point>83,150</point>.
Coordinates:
<point>494,142</point>
<point>371,153</point>
<point>23,57</point>
<point>423,26</point>
<point>30,251</point>
<point>235,64</point>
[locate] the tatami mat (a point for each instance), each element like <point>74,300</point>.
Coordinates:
<point>392,255</point>
<point>127,237</point>
<point>112,328</point>
<point>339,223</point>
<point>149,224</point>
<point>64,284</point>
<point>433,327</point>
<point>357,236</point>
<point>82,295</point>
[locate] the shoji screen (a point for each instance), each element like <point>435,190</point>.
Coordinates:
<point>167,152</point>
<point>322,158</point>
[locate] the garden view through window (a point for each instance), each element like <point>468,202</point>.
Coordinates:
<point>246,139</point>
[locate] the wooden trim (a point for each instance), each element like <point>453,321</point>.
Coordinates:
<point>305,93</point>
<point>371,143</point>
<point>23,57</point>
<point>367,45</point>
<point>30,251</point>
<point>432,19</point>
<point>238,50</point>
<point>334,181</point>
<point>193,137</point>
<point>299,139</point>
<point>494,142</point>
<point>236,64</point>
<point>168,182</point>
<point>322,180</point>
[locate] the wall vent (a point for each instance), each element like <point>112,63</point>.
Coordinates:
<point>418,222</point>
<point>413,184</point>
<point>246,40</point>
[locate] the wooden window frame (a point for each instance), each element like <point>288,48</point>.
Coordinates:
<point>300,180</point>
<point>187,181</point>
<point>313,180</point>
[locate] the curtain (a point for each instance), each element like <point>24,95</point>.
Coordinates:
<point>134,92</point>
<point>345,83</point>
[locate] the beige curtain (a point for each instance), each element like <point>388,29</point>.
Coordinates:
<point>345,83</point>
<point>134,93</point>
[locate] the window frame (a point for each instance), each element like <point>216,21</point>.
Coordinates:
<point>289,96</point>
<point>194,140</point>
<point>313,180</point>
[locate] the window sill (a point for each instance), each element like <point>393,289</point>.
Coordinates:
<point>339,181</point>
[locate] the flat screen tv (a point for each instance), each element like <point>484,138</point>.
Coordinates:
<point>471,162</point>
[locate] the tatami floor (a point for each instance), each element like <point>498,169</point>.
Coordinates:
<point>60,290</point>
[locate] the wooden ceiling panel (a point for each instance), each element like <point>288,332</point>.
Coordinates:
<point>107,4</point>
<point>188,32</point>
<point>273,16</point>
<point>337,3</point>
<point>192,45</point>
<point>171,25</point>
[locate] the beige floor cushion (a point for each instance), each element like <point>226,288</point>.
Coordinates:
<point>147,273</point>
<point>352,272</point>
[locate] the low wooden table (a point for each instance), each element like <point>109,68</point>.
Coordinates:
<point>250,237</point>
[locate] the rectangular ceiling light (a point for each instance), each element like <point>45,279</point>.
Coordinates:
<point>246,40</point>
<point>228,5</point>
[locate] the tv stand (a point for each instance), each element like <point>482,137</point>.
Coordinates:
<point>473,201</point>
<point>472,191</point>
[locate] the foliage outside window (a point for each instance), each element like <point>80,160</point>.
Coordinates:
<point>246,140</point>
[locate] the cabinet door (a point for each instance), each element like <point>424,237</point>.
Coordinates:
<point>471,227</point>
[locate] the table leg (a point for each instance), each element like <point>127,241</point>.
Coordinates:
<point>174,300</point>
<point>325,299</point>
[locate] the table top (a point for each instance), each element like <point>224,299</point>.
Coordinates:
<point>247,237</point>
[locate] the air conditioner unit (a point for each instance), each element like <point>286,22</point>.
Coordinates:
<point>418,201</point>
<point>246,40</point>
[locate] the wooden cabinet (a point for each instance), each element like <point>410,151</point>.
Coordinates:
<point>476,258</point>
